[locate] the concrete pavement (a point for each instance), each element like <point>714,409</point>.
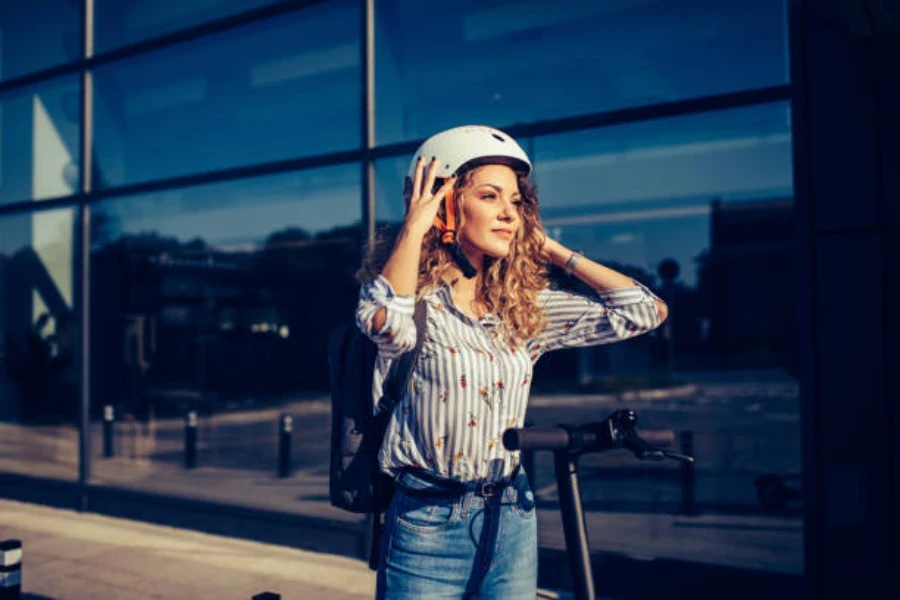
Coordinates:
<point>70,555</point>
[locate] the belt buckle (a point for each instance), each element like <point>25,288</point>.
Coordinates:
<point>488,489</point>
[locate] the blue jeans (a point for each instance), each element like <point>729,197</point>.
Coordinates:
<point>459,547</point>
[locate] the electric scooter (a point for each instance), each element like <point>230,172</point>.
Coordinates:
<point>568,443</point>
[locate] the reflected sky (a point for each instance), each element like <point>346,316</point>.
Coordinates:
<point>502,62</point>
<point>269,91</point>
<point>121,22</point>
<point>37,35</point>
<point>239,215</point>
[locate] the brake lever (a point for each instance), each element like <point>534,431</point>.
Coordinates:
<point>678,456</point>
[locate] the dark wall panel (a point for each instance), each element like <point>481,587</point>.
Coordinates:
<point>843,140</point>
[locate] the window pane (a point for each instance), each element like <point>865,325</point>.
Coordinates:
<point>712,196</point>
<point>220,299</point>
<point>502,62</point>
<point>38,367</point>
<point>118,22</point>
<point>37,35</point>
<point>39,141</point>
<point>270,91</point>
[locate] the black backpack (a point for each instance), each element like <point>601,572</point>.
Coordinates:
<point>355,481</point>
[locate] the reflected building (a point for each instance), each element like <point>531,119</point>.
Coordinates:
<point>751,255</point>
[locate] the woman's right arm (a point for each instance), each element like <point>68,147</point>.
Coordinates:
<point>386,304</point>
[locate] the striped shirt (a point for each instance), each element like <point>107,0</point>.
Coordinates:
<point>464,389</point>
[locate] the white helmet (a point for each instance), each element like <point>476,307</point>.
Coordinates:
<point>462,145</point>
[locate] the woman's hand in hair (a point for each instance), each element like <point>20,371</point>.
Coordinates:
<point>402,268</point>
<point>424,205</point>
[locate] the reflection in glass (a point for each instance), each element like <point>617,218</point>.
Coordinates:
<point>38,329</point>
<point>37,35</point>
<point>220,299</point>
<point>270,91</point>
<point>500,62</point>
<point>117,23</point>
<point>39,147</point>
<point>700,208</point>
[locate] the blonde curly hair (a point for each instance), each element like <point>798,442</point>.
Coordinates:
<point>507,287</point>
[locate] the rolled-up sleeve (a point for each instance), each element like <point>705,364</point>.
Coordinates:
<point>607,316</point>
<point>398,335</point>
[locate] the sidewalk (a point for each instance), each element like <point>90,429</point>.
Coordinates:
<point>70,555</point>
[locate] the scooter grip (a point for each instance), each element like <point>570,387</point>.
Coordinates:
<point>657,437</point>
<point>536,438</point>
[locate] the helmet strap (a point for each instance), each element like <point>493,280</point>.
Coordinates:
<point>449,236</point>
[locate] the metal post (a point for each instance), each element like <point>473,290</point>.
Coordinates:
<point>367,121</point>
<point>108,417</point>
<point>688,504</point>
<point>190,440</point>
<point>285,427</point>
<point>84,258</point>
<point>10,570</point>
<point>574,528</point>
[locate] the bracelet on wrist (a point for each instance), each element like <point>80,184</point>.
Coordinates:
<point>569,267</point>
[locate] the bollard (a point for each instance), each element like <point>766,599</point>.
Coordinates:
<point>285,427</point>
<point>10,570</point>
<point>528,462</point>
<point>267,596</point>
<point>190,440</point>
<point>108,431</point>
<point>688,505</point>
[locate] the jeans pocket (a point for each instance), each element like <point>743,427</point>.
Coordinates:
<point>426,515</point>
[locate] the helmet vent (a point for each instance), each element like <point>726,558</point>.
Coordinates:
<point>499,137</point>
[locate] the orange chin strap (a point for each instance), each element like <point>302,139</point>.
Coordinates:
<point>449,228</point>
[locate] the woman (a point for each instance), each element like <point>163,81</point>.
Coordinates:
<point>461,523</point>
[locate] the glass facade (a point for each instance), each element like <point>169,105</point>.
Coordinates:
<point>272,90</point>
<point>40,153</point>
<point>520,62</point>
<point>226,204</point>
<point>38,366</point>
<point>38,35</point>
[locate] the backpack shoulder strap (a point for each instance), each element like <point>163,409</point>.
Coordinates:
<point>404,365</point>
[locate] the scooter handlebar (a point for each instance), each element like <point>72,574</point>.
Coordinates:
<point>616,431</point>
<point>536,438</point>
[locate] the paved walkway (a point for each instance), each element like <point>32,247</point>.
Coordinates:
<point>69,555</point>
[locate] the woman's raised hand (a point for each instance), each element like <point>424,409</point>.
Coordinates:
<point>423,205</point>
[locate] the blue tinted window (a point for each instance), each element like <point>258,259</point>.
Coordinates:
<point>39,141</point>
<point>38,343</point>
<point>216,298</point>
<point>439,65</point>
<point>274,90</point>
<point>121,22</point>
<point>643,192</point>
<point>37,35</point>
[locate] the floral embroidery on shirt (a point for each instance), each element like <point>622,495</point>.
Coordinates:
<point>500,384</point>
<point>472,419</point>
<point>462,381</point>
<point>444,395</point>
<point>525,381</point>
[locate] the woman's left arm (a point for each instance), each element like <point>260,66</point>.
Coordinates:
<point>594,274</point>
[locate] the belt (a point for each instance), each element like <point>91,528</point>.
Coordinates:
<point>449,488</point>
